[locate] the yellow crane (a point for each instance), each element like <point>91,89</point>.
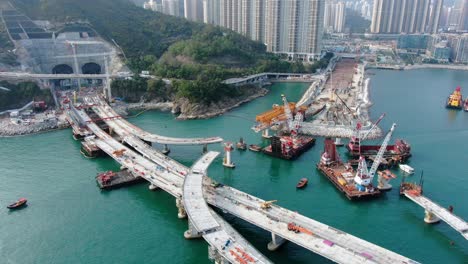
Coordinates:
<point>267,204</point>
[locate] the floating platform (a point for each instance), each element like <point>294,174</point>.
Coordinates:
<point>342,178</point>
<point>111,180</point>
<point>90,150</point>
<point>288,148</point>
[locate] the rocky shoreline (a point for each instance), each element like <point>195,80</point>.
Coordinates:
<point>182,108</point>
<point>187,110</point>
<point>8,129</point>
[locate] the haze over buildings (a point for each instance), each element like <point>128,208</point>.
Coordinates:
<point>335,14</point>
<point>291,27</point>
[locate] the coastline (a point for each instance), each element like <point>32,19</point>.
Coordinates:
<point>31,131</point>
<point>219,110</point>
<point>436,66</point>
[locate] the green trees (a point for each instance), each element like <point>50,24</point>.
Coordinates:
<point>198,56</point>
<point>20,94</point>
<point>140,89</point>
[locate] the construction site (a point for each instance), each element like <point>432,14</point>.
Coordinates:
<point>333,106</point>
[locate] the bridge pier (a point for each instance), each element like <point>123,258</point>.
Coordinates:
<point>153,187</point>
<point>430,218</point>
<point>191,233</point>
<point>205,148</point>
<point>276,242</point>
<point>181,214</point>
<point>214,255</point>
<point>166,150</point>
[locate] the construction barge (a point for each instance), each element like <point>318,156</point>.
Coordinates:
<point>110,180</point>
<point>359,184</point>
<point>342,174</point>
<point>288,147</point>
<point>392,154</point>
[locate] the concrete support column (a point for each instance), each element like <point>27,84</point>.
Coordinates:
<point>205,148</point>
<point>181,214</point>
<point>383,184</point>
<point>430,218</point>
<point>153,187</point>
<point>276,242</point>
<point>191,233</point>
<point>166,150</point>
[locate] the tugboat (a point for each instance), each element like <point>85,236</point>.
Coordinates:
<point>241,144</point>
<point>18,204</point>
<point>454,101</point>
<point>465,107</point>
<point>255,148</point>
<point>302,183</point>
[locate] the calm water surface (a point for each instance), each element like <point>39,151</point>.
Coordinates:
<point>69,220</point>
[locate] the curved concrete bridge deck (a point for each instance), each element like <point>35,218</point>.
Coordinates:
<point>203,222</point>
<point>432,208</point>
<point>226,244</point>
<point>322,239</point>
<point>103,109</point>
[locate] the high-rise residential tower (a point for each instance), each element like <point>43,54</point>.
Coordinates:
<point>170,7</point>
<point>400,16</point>
<point>463,22</point>
<point>193,10</point>
<point>334,16</point>
<point>436,14</point>
<point>294,27</point>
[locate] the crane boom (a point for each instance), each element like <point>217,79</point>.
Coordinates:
<point>287,112</point>
<point>382,149</point>
<point>373,126</point>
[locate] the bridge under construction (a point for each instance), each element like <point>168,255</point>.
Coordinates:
<point>169,175</point>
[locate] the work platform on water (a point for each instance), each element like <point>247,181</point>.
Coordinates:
<point>110,180</point>
<point>165,173</point>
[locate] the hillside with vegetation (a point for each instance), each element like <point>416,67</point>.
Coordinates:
<point>196,56</point>
<point>7,57</point>
<point>17,95</point>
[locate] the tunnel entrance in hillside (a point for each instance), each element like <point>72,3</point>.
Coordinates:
<point>91,68</point>
<point>62,69</point>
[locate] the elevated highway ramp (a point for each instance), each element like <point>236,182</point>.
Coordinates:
<point>432,208</point>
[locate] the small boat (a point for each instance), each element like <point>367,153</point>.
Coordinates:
<point>241,144</point>
<point>465,105</point>
<point>406,168</point>
<point>255,148</point>
<point>302,183</point>
<point>18,204</point>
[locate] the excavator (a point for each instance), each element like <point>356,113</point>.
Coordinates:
<point>267,204</point>
<point>119,153</point>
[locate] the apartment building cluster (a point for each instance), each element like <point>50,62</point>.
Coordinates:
<point>290,27</point>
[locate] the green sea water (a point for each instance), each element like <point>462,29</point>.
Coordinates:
<point>70,220</point>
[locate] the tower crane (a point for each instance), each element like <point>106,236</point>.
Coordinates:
<point>363,176</point>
